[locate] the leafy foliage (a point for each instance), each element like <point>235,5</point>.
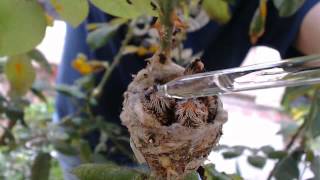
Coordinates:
<point>258,22</point>
<point>218,10</point>
<point>22,29</point>
<point>41,167</point>
<point>287,8</point>
<point>72,11</point>
<point>20,73</point>
<point>106,171</point>
<point>27,137</point>
<point>126,9</point>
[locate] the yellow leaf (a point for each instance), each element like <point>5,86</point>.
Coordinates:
<point>141,51</point>
<point>257,26</point>
<point>20,73</point>
<point>81,65</point>
<point>153,48</point>
<point>57,6</point>
<point>49,20</point>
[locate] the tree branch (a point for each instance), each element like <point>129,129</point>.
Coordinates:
<point>98,90</point>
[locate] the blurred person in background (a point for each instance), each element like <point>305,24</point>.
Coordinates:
<point>224,46</point>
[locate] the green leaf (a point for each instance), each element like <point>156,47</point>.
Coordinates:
<point>69,90</point>
<point>101,36</point>
<point>218,10</point>
<point>103,32</point>
<point>39,94</point>
<point>287,168</point>
<point>126,8</point>
<point>22,25</point>
<point>41,167</point>
<point>192,176</point>
<point>233,153</point>
<point>72,11</point>
<point>292,93</point>
<point>257,26</point>
<point>105,171</point>
<point>277,154</point>
<point>315,167</point>
<point>85,151</point>
<point>313,118</point>
<point>38,57</point>
<point>257,161</point>
<point>20,73</point>
<point>267,149</point>
<point>212,174</point>
<point>287,8</point>
<point>64,147</point>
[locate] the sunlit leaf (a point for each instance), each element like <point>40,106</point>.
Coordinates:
<point>37,56</point>
<point>257,26</point>
<point>293,93</point>
<point>287,7</point>
<point>126,8</point>
<point>22,25</point>
<point>218,10</point>
<point>41,167</point>
<point>20,73</point>
<point>72,11</point>
<point>104,171</point>
<point>257,161</point>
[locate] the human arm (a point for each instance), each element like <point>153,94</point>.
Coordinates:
<point>308,40</point>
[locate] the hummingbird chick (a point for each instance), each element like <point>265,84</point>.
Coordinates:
<point>191,113</point>
<point>158,106</point>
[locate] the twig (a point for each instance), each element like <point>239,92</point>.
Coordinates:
<point>165,17</point>
<point>288,147</point>
<point>98,90</point>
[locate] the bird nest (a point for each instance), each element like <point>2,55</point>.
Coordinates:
<point>173,136</point>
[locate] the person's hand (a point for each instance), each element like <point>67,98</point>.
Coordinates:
<point>308,40</point>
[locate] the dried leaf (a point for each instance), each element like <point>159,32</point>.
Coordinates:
<point>257,26</point>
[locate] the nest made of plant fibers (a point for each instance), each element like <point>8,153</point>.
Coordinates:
<point>173,136</point>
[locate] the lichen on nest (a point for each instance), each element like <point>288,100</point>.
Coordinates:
<point>174,137</point>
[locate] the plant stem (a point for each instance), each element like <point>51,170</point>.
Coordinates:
<point>288,147</point>
<point>98,90</point>
<point>165,17</point>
